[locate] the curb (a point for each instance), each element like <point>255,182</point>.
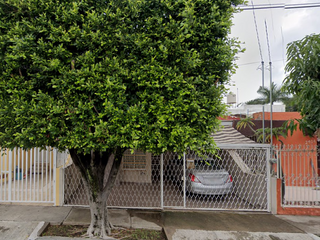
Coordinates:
<point>315,237</point>
<point>35,235</point>
<point>38,230</point>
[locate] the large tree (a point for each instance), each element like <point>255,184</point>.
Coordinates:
<point>303,79</point>
<point>100,77</point>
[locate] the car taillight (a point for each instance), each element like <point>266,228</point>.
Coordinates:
<point>230,179</point>
<point>194,178</point>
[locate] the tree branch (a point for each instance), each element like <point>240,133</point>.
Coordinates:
<point>94,106</point>
<point>77,162</point>
<point>114,171</point>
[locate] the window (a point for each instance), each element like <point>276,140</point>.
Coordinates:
<point>135,161</point>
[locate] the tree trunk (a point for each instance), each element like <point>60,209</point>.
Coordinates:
<point>98,183</point>
<point>100,225</point>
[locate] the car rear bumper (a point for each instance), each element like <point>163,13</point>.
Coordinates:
<point>199,188</point>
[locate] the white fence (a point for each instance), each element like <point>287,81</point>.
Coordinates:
<point>298,167</point>
<point>28,176</point>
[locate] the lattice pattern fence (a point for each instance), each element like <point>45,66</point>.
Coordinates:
<point>144,193</point>
<point>166,182</point>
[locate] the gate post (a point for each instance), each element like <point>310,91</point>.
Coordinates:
<point>161,180</point>
<point>268,179</point>
<point>184,180</point>
<point>54,176</point>
<point>10,176</point>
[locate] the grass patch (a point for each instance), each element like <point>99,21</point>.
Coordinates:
<point>120,233</point>
<point>65,230</point>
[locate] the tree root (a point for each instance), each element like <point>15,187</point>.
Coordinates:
<point>109,227</point>
<point>86,235</point>
<point>119,228</point>
<point>102,232</point>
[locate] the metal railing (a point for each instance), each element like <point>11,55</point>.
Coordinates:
<point>297,166</point>
<point>27,176</point>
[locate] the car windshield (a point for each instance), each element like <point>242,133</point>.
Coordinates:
<point>209,164</point>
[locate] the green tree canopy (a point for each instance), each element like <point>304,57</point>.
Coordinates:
<point>97,75</point>
<point>100,77</point>
<point>303,79</point>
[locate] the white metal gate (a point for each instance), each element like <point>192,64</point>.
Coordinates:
<point>298,167</point>
<point>166,186</point>
<point>28,176</point>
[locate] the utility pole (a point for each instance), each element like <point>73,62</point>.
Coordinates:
<point>271,85</point>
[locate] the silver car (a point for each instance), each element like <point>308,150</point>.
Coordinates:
<point>205,177</point>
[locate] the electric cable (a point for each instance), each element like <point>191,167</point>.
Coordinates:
<point>257,33</point>
<point>282,5</point>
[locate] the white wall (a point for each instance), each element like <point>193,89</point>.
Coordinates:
<point>250,109</point>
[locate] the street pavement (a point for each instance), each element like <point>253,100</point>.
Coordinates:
<point>20,222</point>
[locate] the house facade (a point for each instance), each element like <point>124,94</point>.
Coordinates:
<point>260,178</point>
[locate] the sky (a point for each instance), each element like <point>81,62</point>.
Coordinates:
<point>283,27</point>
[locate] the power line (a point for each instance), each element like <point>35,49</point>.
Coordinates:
<point>272,22</point>
<point>281,5</point>
<point>251,63</point>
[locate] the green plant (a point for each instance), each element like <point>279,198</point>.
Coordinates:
<point>100,77</point>
<point>142,234</point>
<point>245,122</point>
<point>304,126</point>
<point>277,93</point>
<point>303,79</point>
<point>276,132</point>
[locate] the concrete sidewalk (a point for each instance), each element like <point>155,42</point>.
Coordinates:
<point>19,222</point>
<point>235,225</point>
